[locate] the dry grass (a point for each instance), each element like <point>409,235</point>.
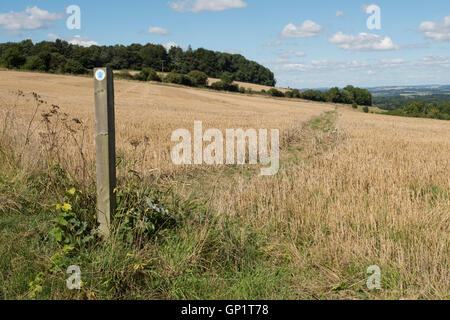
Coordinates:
<point>379,196</point>
<point>354,189</point>
<point>153,111</point>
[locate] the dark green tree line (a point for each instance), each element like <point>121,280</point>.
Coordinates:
<point>63,57</point>
<point>348,95</point>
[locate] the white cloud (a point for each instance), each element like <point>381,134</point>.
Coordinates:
<point>288,53</point>
<point>169,45</point>
<point>276,43</point>
<point>280,61</point>
<point>322,64</point>
<point>435,61</point>
<point>363,42</point>
<point>391,62</point>
<point>439,31</point>
<point>295,67</point>
<point>75,40</point>
<point>82,41</point>
<point>308,29</point>
<point>368,66</point>
<point>158,30</point>
<point>206,5</point>
<point>340,14</point>
<point>31,19</point>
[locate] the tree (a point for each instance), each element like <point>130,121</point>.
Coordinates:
<point>360,96</point>
<point>289,94</point>
<point>334,95</point>
<point>153,56</point>
<point>74,67</point>
<point>26,46</point>
<point>226,83</point>
<point>415,108</point>
<point>347,97</point>
<point>296,93</point>
<point>275,93</point>
<point>219,86</point>
<point>57,62</point>
<point>205,61</point>
<point>148,74</point>
<point>177,78</point>
<point>46,58</point>
<point>153,76</point>
<point>63,47</point>
<point>227,78</point>
<point>315,95</point>
<point>198,78</point>
<point>12,58</point>
<point>433,112</point>
<point>34,63</point>
<point>175,59</point>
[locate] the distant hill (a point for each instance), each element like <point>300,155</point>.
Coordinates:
<point>429,101</point>
<point>411,91</point>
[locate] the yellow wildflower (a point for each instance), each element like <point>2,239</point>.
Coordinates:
<point>72,191</point>
<point>58,206</point>
<point>66,207</point>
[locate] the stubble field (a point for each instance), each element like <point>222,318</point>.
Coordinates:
<point>353,190</point>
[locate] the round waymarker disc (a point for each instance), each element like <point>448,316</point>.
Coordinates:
<point>100,75</point>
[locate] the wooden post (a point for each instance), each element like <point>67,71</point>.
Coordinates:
<point>105,147</point>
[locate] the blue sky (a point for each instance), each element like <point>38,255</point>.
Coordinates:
<point>319,43</point>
